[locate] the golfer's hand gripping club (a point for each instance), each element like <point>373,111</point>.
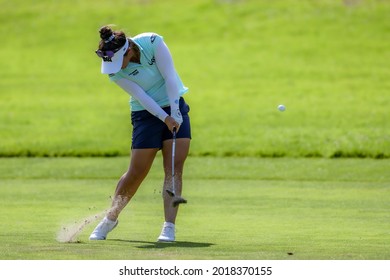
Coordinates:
<point>172,123</point>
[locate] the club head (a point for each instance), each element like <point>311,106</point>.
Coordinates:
<point>171,193</point>
<point>178,200</point>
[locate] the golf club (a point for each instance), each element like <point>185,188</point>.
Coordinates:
<point>176,199</point>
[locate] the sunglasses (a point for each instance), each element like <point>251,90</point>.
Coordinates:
<point>105,54</point>
<point>108,54</point>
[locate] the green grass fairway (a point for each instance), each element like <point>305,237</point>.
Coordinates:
<point>239,208</point>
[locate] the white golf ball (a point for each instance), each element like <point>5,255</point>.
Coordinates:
<point>281,108</point>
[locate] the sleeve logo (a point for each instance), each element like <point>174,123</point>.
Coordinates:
<point>152,38</point>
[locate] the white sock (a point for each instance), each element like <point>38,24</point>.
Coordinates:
<point>168,224</point>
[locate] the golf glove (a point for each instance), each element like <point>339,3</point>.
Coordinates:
<point>177,116</point>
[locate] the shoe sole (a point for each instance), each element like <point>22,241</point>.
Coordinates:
<point>165,240</point>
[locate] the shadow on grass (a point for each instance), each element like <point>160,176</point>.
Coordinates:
<point>162,245</point>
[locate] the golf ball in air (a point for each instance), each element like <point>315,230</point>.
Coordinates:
<point>281,108</point>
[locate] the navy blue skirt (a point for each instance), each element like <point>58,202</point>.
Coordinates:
<point>150,132</point>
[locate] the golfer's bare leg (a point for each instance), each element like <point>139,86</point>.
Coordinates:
<point>140,163</point>
<point>182,149</point>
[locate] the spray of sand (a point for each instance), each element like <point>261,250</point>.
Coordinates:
<point>69,233</point>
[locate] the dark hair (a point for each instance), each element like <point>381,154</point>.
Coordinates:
<point>108,43</point>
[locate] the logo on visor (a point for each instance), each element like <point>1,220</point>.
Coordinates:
<point>106,59</point>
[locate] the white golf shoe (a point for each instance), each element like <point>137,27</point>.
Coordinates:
<point>167,233</point>
<point>102,229</point>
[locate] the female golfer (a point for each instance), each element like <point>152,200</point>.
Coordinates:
<point>143,67</point>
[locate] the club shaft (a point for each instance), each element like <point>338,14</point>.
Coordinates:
<point>173,160</point>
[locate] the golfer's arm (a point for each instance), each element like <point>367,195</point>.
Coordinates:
<point>146,101</point>
<point>166,67</point>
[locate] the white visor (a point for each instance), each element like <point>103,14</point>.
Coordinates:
<point>114,64</point>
